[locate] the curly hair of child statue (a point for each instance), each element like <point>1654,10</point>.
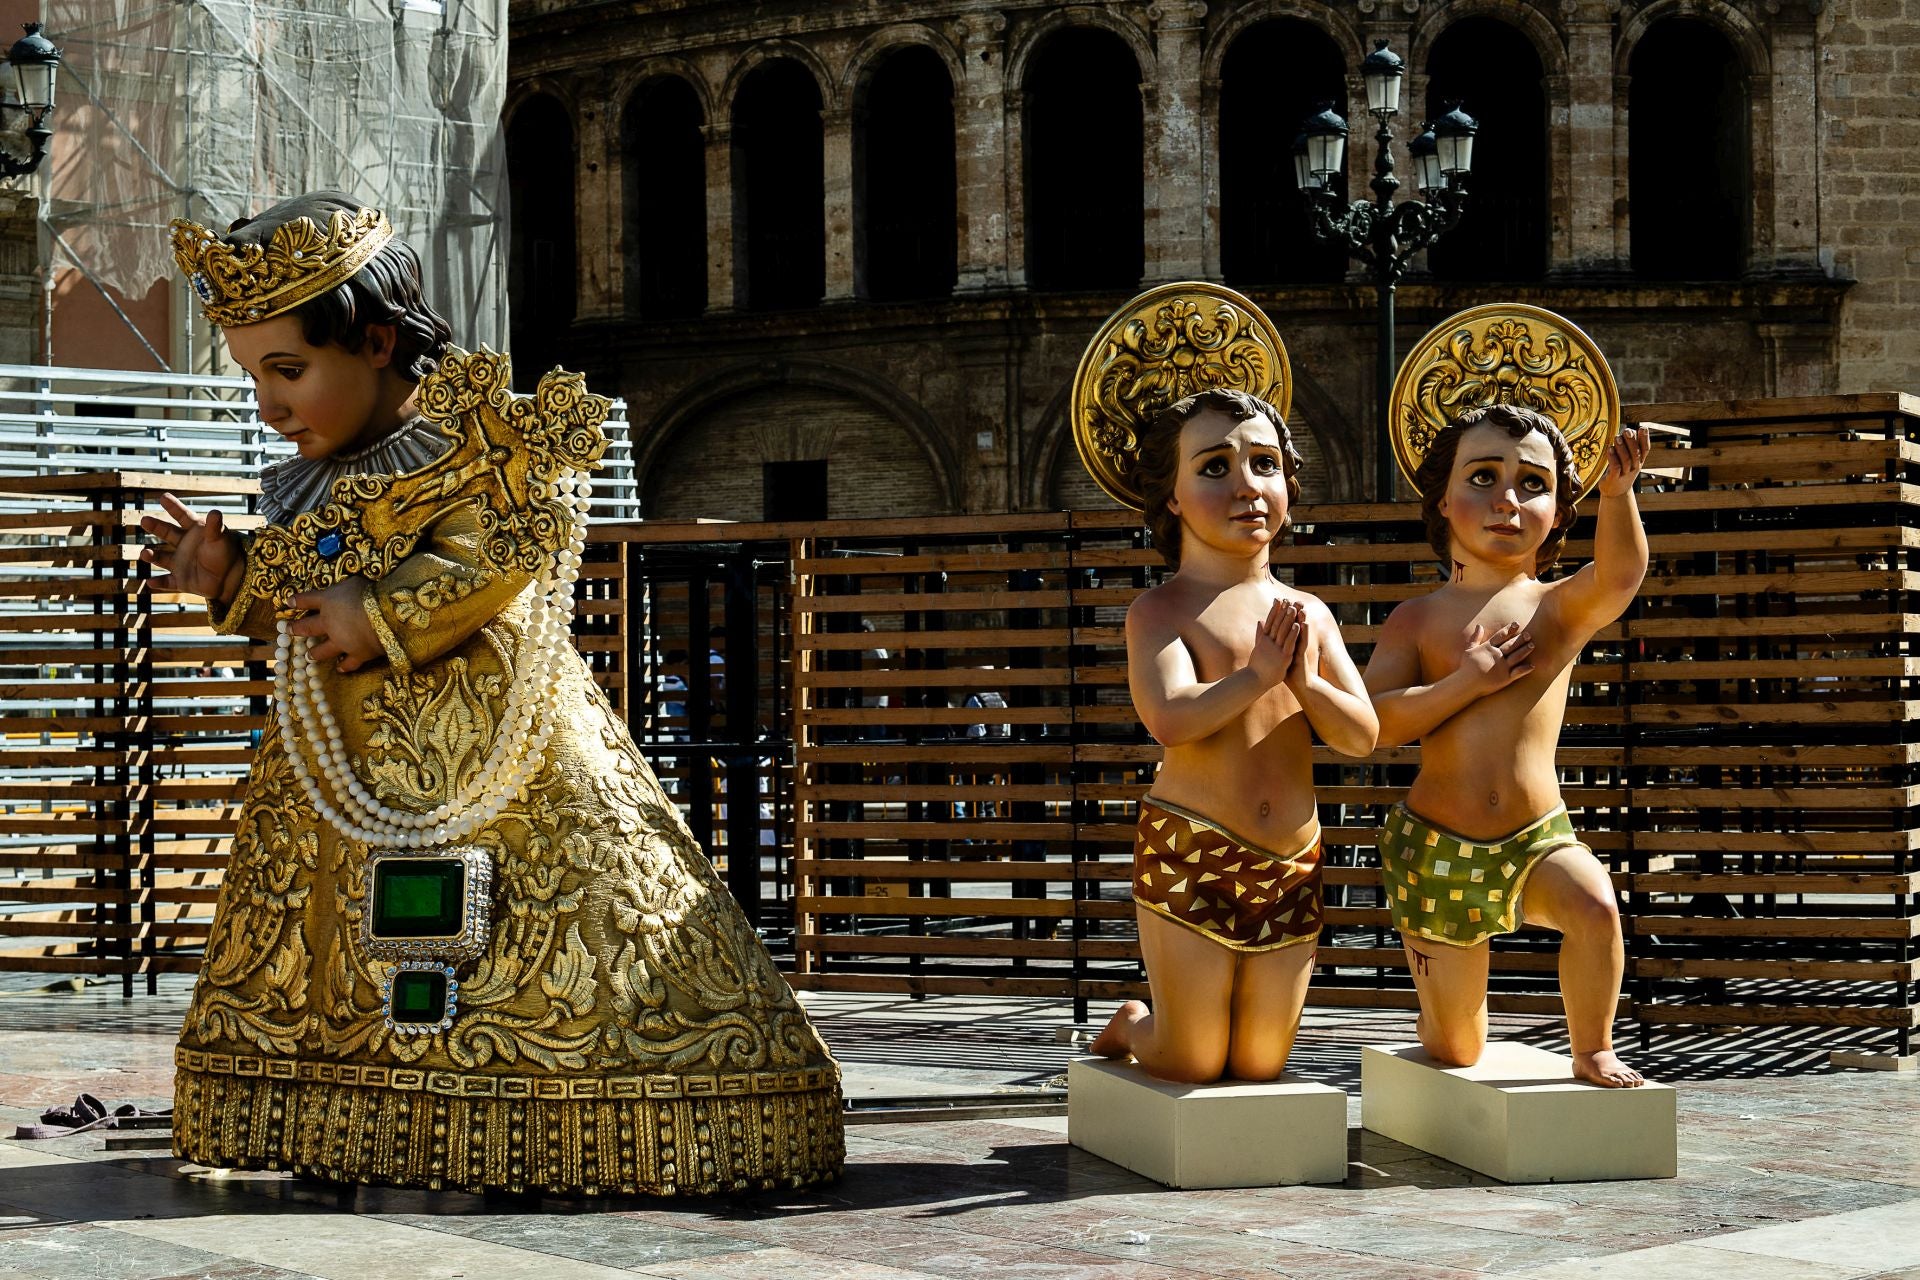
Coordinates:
<point>1159,461</point>
<point>1518,423</point>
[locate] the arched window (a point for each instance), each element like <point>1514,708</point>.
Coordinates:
<point>1274,75</point>
<point>904,170</point>
<point>664,173</point>
<point>1687,161</point>
<point>540,273</point>
<point>1494,72</point>
<point>781,193</point>
<point>1085,228</point>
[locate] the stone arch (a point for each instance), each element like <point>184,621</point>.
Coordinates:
<point>1508,230</point>
<point>1080,16</point>
<point>1750,50</point>
<point>1530,22</point>
<point>1748,41</point>
<point>778,148</point>
<point>771,50</point>
<point>1339,452</point>
<point>526,91</point>
<point>1320,14</point>
<point>542,282</point>
<point>632,81</point>
<point>663,197</point>
<point>1082,112</point>
<point>700,399</point>
<point>887,40</point>
<point>1273,74</point>
<point>906,217</point>
<point>1686,67</point>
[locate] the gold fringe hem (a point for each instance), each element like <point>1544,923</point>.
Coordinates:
<point>565,1146</point>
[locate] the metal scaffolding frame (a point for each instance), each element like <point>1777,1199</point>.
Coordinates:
<point>214,109</point>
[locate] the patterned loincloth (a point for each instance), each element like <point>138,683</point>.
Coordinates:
<point>1195,874</point>
<point>1446,888</point>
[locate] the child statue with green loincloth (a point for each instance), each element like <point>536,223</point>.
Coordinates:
<point>1477,672</point>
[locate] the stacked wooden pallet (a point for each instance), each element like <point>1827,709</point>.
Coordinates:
<point>128,730</point>
<point>1770,751</point>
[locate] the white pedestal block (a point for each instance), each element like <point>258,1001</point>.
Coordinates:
<point>1518,1115</point>
<point>1231,1134</point>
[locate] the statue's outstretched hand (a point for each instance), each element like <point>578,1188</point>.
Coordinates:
<point>1625,457</point>
<point>201,557</point>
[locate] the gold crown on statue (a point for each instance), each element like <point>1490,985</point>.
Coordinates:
<point>247,283</point>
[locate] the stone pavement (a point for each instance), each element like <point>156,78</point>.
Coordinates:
<point>1788,1170</point>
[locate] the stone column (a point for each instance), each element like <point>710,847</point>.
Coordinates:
<point>726,230</point>
<point>1800,358</point>
<point>1176,159</point>
<point>984,165</point>
<point>1210,267</point>
<point>1761,157</point>
<point>1622,207</point>
<point>1796,213</point>
<point>846,272</point>
<point>1013,124</point>
<point>599,267</point>
<point>1583,195</point>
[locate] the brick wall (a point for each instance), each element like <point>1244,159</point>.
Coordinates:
<point>713,466</point>
<point>1869,87</point>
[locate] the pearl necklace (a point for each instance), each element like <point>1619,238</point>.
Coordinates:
<point>519,748</point>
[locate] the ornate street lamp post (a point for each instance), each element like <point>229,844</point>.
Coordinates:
<point>1379,233</point>
<point>36,65</point>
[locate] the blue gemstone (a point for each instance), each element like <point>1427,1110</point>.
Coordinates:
<point>329,544</point>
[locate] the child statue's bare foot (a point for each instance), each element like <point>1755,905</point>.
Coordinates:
<point>1603,1067</point>
<point>1117,1040</point>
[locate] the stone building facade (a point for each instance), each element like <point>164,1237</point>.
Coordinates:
<point>856,249</point>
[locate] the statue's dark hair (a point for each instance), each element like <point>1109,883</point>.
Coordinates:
<point>1159,461</point>
<point>387,290</point>
<point>1436,471</point>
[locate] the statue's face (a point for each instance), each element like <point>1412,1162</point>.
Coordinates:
<point>1230,490</point>
<point>324,399</point>
<point>1500,504</point>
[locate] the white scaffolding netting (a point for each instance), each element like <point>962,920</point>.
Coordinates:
<point>215,109</point>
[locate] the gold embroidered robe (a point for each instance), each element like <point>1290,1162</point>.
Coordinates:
<point>623,1032</point>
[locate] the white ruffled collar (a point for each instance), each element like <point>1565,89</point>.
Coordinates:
<point>295,485</point>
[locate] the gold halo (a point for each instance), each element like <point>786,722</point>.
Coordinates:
<point>1165,345</point>
<point>1506,353</point>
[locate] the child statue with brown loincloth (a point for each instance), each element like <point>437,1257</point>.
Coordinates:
<point>1233,673</point>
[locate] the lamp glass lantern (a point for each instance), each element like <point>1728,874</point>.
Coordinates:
<point>1326,138</point>
<point>1425,151</point>
<point>1382,71</point>
<point>36,65</point>
<point>1303,175</point>
<point>1453,136</point>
